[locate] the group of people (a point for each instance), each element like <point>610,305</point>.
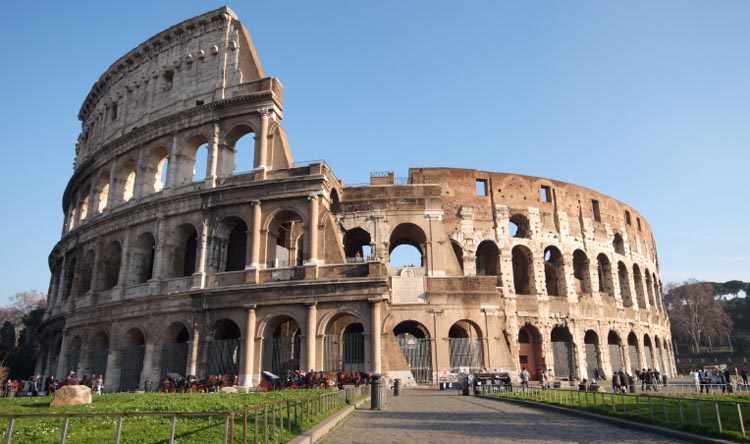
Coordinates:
<point>706,379</point>
<point>37,385</point>
<point>294,379</point>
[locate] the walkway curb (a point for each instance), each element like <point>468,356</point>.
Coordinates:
<point>316,433</point>
<point>624,423</point>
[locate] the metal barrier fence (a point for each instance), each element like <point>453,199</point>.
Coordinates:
<point>272,422</point>
<point>691,414</point>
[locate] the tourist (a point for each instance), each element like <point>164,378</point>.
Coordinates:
<point>697,380</point>
<point>615,382</point>
<point>524,378</point>
<point>743,375</point>
<point>71,379</point>
<point>542,380</point>
<point>99,385</point>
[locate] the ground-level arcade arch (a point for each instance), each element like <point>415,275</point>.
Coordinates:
<point>174,350</point>
<point>593,358</point>
<point>131,360</point>
<point>614,346</point>
<point>223,349</point>
<point>415,344</point>
<point>466,346</point>
<point>282,345</point>
<point>530,351</point>
<point>344,344</point>
<point>563,353</point>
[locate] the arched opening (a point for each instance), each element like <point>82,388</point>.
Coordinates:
<point>666,362</point>
<point>614,344</point>
<point>155,170</point>
<point>285,247</point>
<point>109,266</point>
<point>581,272</point>
<point>70,275</point>
<point>174,351</point>
<point>344,344</point>
<point>523,270</point>
<point>86,272</point>
<point>562,351</point>
<point>142,257</point>
<point>530,351</point>
<point>242,141</point>
<point>335,202</point>
<point>224,349</point>
<point>282,344</point>
<point>229,245</point>
<point>650,290</point>
<point>55,355</point>
<point>633,353</point>
<point>648,351</point>
<point>518,226</point>
<point>593,360</point>
<point>101,191</point>
<point>604,271</point>
<point>488,259</point>
<point>131,360</point>
<point>98,354</point>
<point>657,293</point>
<point>414,341</point>
<point>126,179</point>
<point>622,277</point>
<point>83,211</point>
<point>200,163</point>
<point>554,274</point>
<point>638,282</point>
<point>73,355</point>
<point>407,246</point>
<point>618,244</point>
<point>466,346</point>
<point>184,251</point>
<point>357,245</point>
<point>659,357</point>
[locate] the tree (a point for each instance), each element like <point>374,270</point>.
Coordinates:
<point>22,359</point>
<point>695,313</point>
<point>7,339</point>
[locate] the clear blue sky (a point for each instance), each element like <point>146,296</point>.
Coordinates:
<point>646,101</point>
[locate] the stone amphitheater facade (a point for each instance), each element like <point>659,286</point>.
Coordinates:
<point>165,268</point>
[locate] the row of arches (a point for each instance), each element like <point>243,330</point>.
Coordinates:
<point>159,167</point>
<point>563,360</point>
<point>228,250</point>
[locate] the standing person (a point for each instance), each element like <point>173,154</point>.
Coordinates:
<point>615,382</point>
<point>524,378</point>
<point>542,380</point>
<point>99,384</point>
<point>743,375</point>
<point>697,380</point>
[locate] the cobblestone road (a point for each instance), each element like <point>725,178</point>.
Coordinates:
<point>427,416</point>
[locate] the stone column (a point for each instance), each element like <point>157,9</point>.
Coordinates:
<point>213,156</point>
<point>113,199</point>
<point>255,237</point>
<point>161,247</point>
<point>139,179</point>
<point>377,333</point>
<point>192,364</point>
<point>174,164</point>
<point>199,280</point>
<point>124,265</point>
<point>147,373</point>
<point>112,373</point>
<point>248,350</point>
<point>261,142</point>
<point>313,229</point>
<point>310,334</point>
<point>61,371</point>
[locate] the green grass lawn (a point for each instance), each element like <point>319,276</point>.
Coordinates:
<point>689,413</point>
<point>305,410</point>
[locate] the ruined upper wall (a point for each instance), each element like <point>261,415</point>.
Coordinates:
<point>519,193</point>
<point>190,64</point>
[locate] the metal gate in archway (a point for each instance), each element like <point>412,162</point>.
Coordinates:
<point>615,357</point>
<point>592,359</point>
<point>131,366</point>
<point>71,360</point>
<point>285,354</point>
<point>466,353</point>
<point>98,361</point>
<point>224,357</point>
<point>174,358</point>
<point>563,355</point>
<point>418,354</point>
<point>649,357</point>
<point>344,353</point>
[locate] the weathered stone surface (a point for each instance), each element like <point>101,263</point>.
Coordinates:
<point>72,395</point>
<point>282,260</point>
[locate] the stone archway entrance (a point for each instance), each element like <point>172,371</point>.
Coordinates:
<point>416,348</point>
<point>530,351</point>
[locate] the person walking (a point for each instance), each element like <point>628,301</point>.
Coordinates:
<point>697,380</point>
<point>542,380</point>
<point>524,379</point>
<point>615,382</point>
<point>99,385</point>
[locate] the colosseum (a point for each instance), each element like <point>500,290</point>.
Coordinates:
<point>194,244</point>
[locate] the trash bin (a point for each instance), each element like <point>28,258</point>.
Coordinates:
<point>442,386</point>
<point>396,387</point>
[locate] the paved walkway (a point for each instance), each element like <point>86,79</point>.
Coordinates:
<point>429,416</point>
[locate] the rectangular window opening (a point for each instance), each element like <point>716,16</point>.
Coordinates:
<point>595,208</point>
<point>545,193</point>
<point>114,111</point>
<point>638,220</point>
<point>481,187</point>
<point>627,218</point>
